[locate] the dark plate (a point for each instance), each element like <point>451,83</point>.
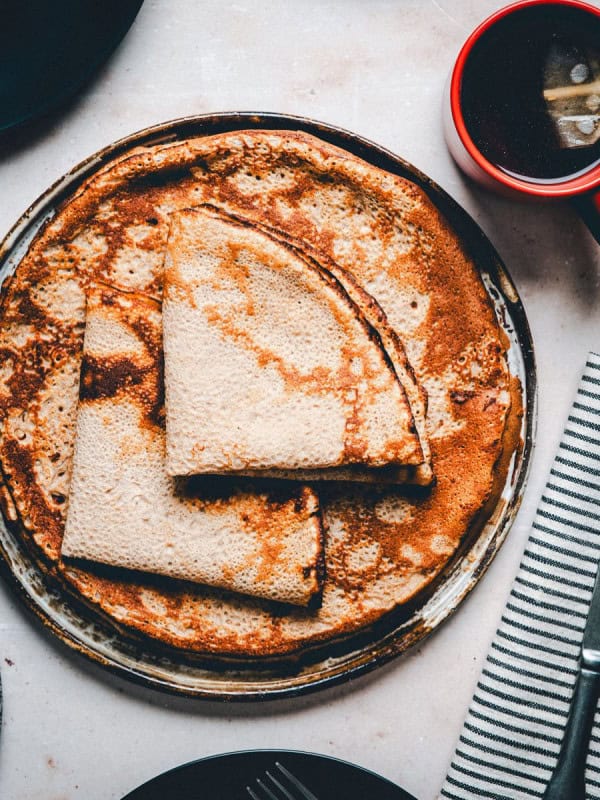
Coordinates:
<point>144,660</point>
<point>226,777</point>
<point>48,50</point>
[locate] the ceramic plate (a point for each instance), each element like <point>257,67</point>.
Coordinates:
<point>226,778</point>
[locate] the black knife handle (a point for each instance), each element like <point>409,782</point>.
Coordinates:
<point>568,780</point>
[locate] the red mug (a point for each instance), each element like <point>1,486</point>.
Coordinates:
<point>525,19</point>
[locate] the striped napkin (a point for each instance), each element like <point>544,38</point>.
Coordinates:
<point>513,732</point>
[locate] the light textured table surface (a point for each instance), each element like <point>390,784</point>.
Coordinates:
<point>376,67</point>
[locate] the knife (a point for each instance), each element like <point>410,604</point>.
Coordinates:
<point>568,779</point>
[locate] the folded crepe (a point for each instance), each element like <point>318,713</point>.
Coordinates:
<point>124,510</point>
<point>419,474</point>
<point>269,363</point>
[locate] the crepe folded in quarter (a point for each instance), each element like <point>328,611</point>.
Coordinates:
<point>124,510</point>
<point>269,364</point>
<point>419,474</point>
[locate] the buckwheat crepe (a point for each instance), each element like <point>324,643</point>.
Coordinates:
<point>125,511</point>
<point>382,544</point>
<point>268,362</point>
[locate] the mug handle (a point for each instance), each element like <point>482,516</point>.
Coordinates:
<point>588,207</point>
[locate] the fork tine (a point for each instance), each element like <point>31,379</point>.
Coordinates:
<point>252,794</point>
<point>308,795</point>
<point>280,786</point>
<point>266,790</point>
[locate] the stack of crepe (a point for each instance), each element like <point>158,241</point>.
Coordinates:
<point>358,228</point>
<point>280,372</point>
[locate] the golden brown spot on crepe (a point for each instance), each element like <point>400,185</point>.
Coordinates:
<point>45,521</point>
<point>234,269</point>
<point>257,518</point>
<point>103,378</point>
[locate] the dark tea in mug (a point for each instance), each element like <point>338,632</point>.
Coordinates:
<point>530,93</point>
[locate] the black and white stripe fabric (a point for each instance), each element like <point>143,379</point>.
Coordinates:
<point>513,731</point>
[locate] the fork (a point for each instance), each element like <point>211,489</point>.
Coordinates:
<point>262,791</point>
